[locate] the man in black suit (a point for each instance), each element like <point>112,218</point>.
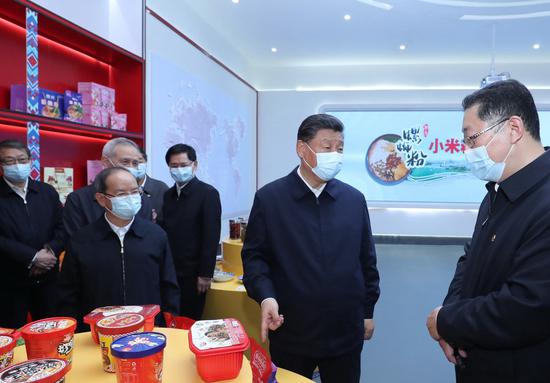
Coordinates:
<point>120,258</point>
<point>309,261</point>
<point>31,239</point>
<point>494,322</point>
<point>152,188</point>
<point>81,207</point>
<point>192,219</point>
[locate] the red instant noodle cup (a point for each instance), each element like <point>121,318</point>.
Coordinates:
<point>148,311</point>
<point>218,346</point>
<point>139,357</point>
<point>36,371</point>
<point>7,344</point>
<point>50,338</point>
<point>111,328</point>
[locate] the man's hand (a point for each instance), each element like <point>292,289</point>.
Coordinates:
<point>37,271</point>
<point>369,328</point>
<point>449,351</point>
<point>203,284</point>
<point>44,259</point>
<point>431,323</point>
<point>271,320</point>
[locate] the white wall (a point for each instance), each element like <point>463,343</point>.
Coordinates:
<point>185,19</point>
<point>280,114</point>
<point>118,21</point>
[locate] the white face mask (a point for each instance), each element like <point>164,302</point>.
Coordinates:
<point>182,175</point>
<point>125,207</point>
<point>482,166</point>
<point>328,164</point>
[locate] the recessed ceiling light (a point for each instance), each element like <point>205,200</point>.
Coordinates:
<point>402,47</point>
<point>235,1</point>
<point>274,50</point>
<point>347,17</point>
<point>536,46</point>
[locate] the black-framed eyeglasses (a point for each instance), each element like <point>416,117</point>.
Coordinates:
<point>135,192</point>
<point>471,141</point>
<point>13,161</point>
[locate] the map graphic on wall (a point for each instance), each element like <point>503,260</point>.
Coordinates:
<point>187,109</point>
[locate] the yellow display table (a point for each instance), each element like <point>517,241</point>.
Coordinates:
<point>179,362</point>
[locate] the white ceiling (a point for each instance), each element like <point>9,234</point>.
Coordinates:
<point>313,33</point>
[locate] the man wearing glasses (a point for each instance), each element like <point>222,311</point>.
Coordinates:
<point>31,238</point>
<point>192,219</point>
<point>82,208</point>
<point>494,322</point>
<point>120,258</point>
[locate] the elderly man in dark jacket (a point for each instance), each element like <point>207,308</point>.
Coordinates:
<point>309,261</point>
<point>120,259</point>
<point>31,238</point>
<point>494,322</point>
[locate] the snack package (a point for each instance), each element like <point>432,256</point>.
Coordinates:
<point>263,369</point>
<point>119,121</point>
<point>50,104</point>
<point>73,106</point>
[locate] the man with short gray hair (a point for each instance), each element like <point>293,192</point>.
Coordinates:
<point>82,208</point>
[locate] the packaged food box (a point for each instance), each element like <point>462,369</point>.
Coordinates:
<point>119,121</point>
<point>73,106</point>
<point>50,338</point>
<point>148,311</point>
<point>113,327</point>
<point>50,104</point>
<point>7,344</point>
<point>218,346</point>
<point>139,357</point>
<point>18,98</point>
<point>36,371</point>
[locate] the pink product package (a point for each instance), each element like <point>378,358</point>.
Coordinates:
<point>119,121</point>
<point>95,115</point>
<point>97,94</point>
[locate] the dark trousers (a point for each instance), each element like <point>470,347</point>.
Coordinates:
<point>191,302</point>
<point>344,368</point>
<point>38,298</point>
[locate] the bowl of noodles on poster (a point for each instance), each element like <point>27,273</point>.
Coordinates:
<point>385,164</point>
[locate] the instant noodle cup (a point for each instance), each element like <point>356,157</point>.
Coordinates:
<point>7,344</point>
<point>148,311</point>
<point>50,338</point>
<point>36,371</point>
<point>139,357</point>
<point>218,346</point>
<point>113,327</point>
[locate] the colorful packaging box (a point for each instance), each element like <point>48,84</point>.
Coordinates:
<point>97,94</point>
<point>73,106</point>
<point>95,115</point>
<point>18,98</point>
<point>119,121</point>
<point>50,104</point>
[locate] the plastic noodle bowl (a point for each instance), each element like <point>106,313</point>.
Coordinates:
<point>7,344</point>
<point>218,346</point>
<point>50,338</point>
<point>148,311</point>
<point>139,357</point>
<point>113,327</point>
<point>36,371</point>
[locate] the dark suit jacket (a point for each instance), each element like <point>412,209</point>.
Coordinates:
<point>315,256</point>
<point>498,305</point>
<point>26,228</point>
<point>81,209</point>
<point>98,272</point>
<point>193,222</point>
<point>154,190</point>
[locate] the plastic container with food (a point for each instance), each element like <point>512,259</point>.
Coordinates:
<point>7,344</point>
<point>113,327</point>
<point>36,371</point>
<point>218,346</point>
<point>139,357</point>
<point>148,311</point>
<point>50,338</point>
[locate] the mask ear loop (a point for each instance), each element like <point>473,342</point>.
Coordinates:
<point>309,147</point>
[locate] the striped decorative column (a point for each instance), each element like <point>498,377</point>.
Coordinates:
<point>33,128</point>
